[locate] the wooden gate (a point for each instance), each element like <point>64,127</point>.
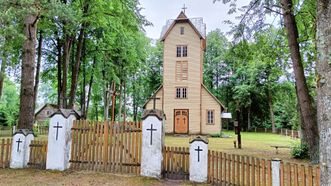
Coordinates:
<point>106,146</point>
<point>38,154</point>
<point>176,162</point>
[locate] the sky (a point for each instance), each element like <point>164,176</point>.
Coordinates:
<point>213,14</point>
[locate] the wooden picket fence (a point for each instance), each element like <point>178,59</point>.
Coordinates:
<point>38,154</point>
<point>232,169</point>
<point>106,146</point>
<point>5,152</point>
<point>176,162</point>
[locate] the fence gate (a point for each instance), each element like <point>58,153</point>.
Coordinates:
<point>176,162</point>
<point>38,154</point>
<point>106,146</point>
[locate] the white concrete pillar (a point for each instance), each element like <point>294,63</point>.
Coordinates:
<point>275,169</point>
<point>152,143</point>
<point>59,139</point>
<point>20,153</point>
<point>199,159</point>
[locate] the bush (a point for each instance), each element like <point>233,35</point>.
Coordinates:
<point>299,151</point>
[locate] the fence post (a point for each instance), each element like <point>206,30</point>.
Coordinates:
<point>275,168</point>
<point>198,159</point>
<point>59,139</point>
<point>20,152</point>
<point>152,143</point>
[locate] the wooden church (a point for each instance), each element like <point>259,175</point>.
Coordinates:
<point>189,107</point>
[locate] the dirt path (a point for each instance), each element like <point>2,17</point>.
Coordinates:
<point>31,177</point>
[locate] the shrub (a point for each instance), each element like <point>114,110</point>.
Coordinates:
<point>299,151</point>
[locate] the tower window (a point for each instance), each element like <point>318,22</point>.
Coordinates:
<point>181,30</point>
<point>182,51</point>
<point>181,92</point>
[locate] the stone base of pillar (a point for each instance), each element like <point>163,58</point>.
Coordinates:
<point>20,152</point>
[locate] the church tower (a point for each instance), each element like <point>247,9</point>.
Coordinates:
<point>189,107</point>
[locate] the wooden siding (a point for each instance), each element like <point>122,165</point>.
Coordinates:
<point>209,103</point>
<point>193,84</point>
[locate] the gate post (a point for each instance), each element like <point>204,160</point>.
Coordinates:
<point>152,143</point>
<point>20,152</point>
<point>199,159</point>
<point>59,139</point>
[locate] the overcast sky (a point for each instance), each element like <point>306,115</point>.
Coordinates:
<point>213,14</point>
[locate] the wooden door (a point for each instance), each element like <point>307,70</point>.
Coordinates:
<point>181,121</point>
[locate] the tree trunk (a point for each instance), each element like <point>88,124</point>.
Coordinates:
<point>124,101</point>
<point>26,114</point>
<point>120,101</point>
<point>36,85</point>
<point>106,102</point>
<point>66,59</point>
<point>308,113</point>
<point>90,87</point>
<point>59,69</point>
<point>75,71</point>
<point>271,110</point>
<point>249,117</point>
<point>2,72</point>
<point>324,87</point>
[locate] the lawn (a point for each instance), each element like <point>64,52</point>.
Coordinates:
<point>253,144</point>
<point>33,177</point>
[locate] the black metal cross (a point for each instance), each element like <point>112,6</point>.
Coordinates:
<point>154,98</point>
<point>152,130</point>
<point>184,8</point>
<point>18,144</point>
<point>57,129</point>
<point>198,149</point>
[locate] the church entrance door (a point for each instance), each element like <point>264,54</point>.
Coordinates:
<point>181,121</point>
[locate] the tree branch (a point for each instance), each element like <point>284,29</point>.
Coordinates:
<point>271,10</point>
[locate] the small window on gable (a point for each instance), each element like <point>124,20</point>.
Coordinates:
<point>210,117</point>
<point>182,30</point>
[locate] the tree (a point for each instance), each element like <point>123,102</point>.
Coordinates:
<point>324,87</point>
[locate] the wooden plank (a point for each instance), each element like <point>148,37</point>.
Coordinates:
<point>2,155</point>
<point>282,177</point>
<point>248,171</point>
<point>263,173</point>
<point>310,176</point>
<point>295,175</point>
<point>288,173</point>
<point>105,146</point>
<point>318,176</point>
<point>233,169</point>
<point>253,171</point>
<point>242,170</point>
<point>212,166</point>
<point>220,169</point>
<point>269,173</point>
<point>237,170</point>
<point>257,163</point>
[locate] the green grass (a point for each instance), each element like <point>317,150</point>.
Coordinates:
<point>253,144</point>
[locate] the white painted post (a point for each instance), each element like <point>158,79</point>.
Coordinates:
<point>275,168</point>
<point>59,139</point>
<point>20,153</point>
<point>152,143</point>
<point>198,159</point>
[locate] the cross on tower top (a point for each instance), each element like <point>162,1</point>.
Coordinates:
<point>184,8</point>
<point>154,98</point>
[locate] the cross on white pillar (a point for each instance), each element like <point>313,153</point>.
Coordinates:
<point>18,144</point>
<point>152,130</point>
<point>199,150</point>
<point>57,130</point>
<point>198,159</point>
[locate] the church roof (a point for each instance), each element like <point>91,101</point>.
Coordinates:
<point>197,24</point>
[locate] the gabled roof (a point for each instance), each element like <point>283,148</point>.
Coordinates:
<point>54,106</point>
<point>212,95</point>
<point>196,23</point>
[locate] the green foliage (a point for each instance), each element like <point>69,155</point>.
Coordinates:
<point>9,104</point>
<point>299,151</point>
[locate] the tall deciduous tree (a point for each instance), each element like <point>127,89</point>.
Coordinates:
<point>324,87</point>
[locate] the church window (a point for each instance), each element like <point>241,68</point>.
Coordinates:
<point>210,116</point>
<point>181,70</point>
<point>182,30</point>
<point>181,51</point>
<point>181,93</point>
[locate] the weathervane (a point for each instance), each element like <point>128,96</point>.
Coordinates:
<point>184,8</point>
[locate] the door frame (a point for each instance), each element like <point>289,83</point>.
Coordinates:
<point>188,121</point>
